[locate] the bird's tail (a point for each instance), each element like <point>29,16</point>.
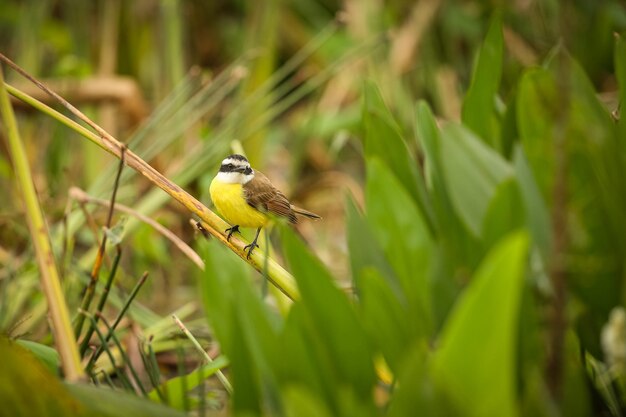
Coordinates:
<point>305,213</point>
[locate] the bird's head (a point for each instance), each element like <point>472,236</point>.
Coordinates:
<point>235,169</point>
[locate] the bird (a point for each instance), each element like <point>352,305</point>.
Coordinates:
<point>245,197</point>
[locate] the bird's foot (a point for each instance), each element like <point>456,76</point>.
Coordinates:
<point>250,248</point>
<point>231,231</point>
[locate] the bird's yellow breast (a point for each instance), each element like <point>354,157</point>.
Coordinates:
<point>231,203</point>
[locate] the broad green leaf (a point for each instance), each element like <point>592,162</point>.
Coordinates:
<point>244,375</point>
<point>474,366</point>
<point>576,399</point>
<point>427,134</point>
<point>49,356</point>
<point>221,267</point>
<point>504,215</point>
<point>400,228</point>
<point>223,276</point>
<point>175,388</point>
<point>300,402</point>
<point>537,216</point>
<point>538,104</point>
<point>561,119</point>
<point>383,139</point>
<point>102,401</point>
<point>472,171</point>
<point>332,319</point>
<point>415,393</point>
<point>479,112</point>
<point>302,363</point>
<point>508,128</point>
<point>22,373</point>
<point>455,250</point>
<point>259,333</point>
<point>384,318</point>
<point>365,255</point>
<point>458,246</point>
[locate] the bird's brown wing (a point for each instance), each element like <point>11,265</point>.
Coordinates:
<point>263,196</point>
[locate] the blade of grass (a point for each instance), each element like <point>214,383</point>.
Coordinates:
<point>95,271</point>
<point>125,358</point>
<point>220,374</point>
<point>118,370</point>
<point>182,374</point>
<point>152,369</point>
<point>155,364</point>
<point>119,317</point>
<point>61,325</point>
<point>103,297</point>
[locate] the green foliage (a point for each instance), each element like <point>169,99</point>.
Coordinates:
<point>383,139</point>
<point>175,390</point>
<point>45,354</point>
<point>452,262</point>
<point>472,171</point>
<point>479,104</point>
<point>461,229</point>
<point>23,374</point>
<point>483,327</point>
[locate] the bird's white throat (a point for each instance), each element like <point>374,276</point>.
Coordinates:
<point>234,177</point>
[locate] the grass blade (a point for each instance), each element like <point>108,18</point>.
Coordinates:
<point>59,314</point>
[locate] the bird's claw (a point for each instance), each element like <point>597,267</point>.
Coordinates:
<point>250,248</point>
<point>231,231</point>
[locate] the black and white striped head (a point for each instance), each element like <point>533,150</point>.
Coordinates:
<point>235,169</point>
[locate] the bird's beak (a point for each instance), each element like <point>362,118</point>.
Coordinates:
<point>240,169</point>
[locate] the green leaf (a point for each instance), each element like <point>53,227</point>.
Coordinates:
<point>538,104</point>
<point>332,319</point>
<point>561,119</point>
<point>415,389</point>
<point>385,318</point>
<point>479,112</point>
<point>473,171</point>
<point>102,401</point>
<point>537,216</point>
<point>218,296</point>
<point>21,374</point>
<point>219,289</point>
<point>383,139</point>
<point>459,248</point>
<point>403,235</point>
<point>302,363</point>
<point>576,401</point>
<point>300,402</point>
<point>258,330</point>
<point>368,255</point>
<point>505,213</point>
<point>46,354</point>
<point>475,364</point>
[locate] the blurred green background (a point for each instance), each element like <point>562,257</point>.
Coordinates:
<point>467,158</point>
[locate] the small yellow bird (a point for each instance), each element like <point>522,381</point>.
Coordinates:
<point>247,198</point>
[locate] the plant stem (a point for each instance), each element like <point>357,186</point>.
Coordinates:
<point>61,325</point>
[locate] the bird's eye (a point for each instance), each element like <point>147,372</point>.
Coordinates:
<point>229,166</point>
